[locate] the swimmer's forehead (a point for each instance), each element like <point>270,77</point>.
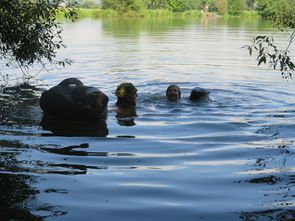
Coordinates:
<point>173,87</point>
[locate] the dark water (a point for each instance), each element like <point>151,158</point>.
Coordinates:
<point>228,158</point>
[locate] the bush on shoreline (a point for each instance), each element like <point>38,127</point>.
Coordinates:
<point>157,13</point>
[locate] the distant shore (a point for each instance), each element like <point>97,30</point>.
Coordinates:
<point>162,13</point>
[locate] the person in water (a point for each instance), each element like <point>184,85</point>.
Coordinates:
<point>126,95</point>
<point>126,104</point>
<point>173,93</point>
<point>71,100</point>
<point>199,94</point>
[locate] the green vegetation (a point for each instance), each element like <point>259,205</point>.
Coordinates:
<point>123,6</point>
<point>29,32</point>
<point>162,8</point>
<point>235,7</point>
<point>282,14</point>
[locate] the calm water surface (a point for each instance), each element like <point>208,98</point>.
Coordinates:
<point>229,158</point>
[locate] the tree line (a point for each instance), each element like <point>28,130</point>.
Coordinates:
<point>231,7</point>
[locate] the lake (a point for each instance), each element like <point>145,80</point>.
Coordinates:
<point>227,158</point>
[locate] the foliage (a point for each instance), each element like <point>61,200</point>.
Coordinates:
<point>156,4</point>
<point>29,32</point>
<point>127,6</point>
<point>269,53</point>
<point>158,13</point>
<point>235,7</point>
<point>123,6</point>
<point>221,6</point>
<point>282,14</point>
<point>178,5</point>
<point>173,5</point>
<point>194,4</point>
<point>105,13</point>
<point>250,14</point>
<point>208,4</point>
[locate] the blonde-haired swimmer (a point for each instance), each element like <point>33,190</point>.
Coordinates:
<point>126,104</point>
<point>126,95</point>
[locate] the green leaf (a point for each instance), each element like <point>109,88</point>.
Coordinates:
<point>262,59</point>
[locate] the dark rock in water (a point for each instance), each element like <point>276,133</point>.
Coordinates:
<point>62,127</point>
<point>198,93</point>
<point>71,100</point>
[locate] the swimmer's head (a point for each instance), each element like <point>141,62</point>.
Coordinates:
<point>173,93</point>
<point>126,94</point>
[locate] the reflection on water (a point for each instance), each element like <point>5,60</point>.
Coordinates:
<point>60,127</point>
<point>18,105</point>
<point>126,116</point>
<point>18,199</point>
<point>228,158</point>
<point>132,28</point>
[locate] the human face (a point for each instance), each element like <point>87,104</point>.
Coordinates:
<point>173,93</point>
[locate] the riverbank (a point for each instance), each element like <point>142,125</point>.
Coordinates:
<point>161,13</point>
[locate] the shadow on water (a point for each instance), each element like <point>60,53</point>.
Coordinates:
<point>239,22</point>
<point>18,199</point>
<point>134,27</point>
<point>269,215</point>
<point>126,116</point>
<point>19,105</point>
<point>60,127</point>
<point>270,171</point>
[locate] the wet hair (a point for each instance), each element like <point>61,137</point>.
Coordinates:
<point>126,93</point>
<point>126,90</point>
<point>198,94</point>
<point>170,87</point>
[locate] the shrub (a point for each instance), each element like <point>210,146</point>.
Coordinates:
<point>195,4</point>
<point>123,6</point>
<point>178,5</point>
<point>172,5</point>
<point>235,7</point>
<point>221,6</point>
<point>158,13</point>
<point>281,12</point>
<point>156,4</point>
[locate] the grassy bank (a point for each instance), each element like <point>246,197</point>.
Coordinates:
<point>162,13</point>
